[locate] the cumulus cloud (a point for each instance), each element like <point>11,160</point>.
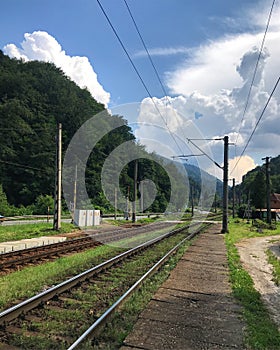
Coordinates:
<point>212,93</point>
<point>245,163</point>
<point>42,46</point>
<point>212,67</point>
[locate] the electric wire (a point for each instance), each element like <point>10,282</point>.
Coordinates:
<point>255,70</point>
<point>137,72</point>
<point>260,117</point>
<point>151,61</point>
<point>212,160</point>
<point>22,166</point>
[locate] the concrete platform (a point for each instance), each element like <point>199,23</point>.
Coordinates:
<point>193,309</point>
<point>10,246</point>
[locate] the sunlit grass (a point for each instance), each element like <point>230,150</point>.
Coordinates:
<point>261,332</point>
<point>31,280</point>
<point>25,231</point>
<point>276,267</point>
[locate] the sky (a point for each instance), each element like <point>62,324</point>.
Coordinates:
<point>205,53</point>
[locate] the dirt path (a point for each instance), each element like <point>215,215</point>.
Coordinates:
<point>253,256</point>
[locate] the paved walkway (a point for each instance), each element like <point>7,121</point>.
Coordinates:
<point>193,309</point>
<point>6,247</point>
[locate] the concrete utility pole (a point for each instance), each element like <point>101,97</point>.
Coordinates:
<point>57,201</point>
<point>225,187</point>
<point>135,190</point>
<point>267,175</point>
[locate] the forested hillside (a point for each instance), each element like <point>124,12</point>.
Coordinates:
<point>253,186</point>
<point>34,97</point>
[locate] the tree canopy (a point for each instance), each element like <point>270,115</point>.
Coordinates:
<point>34,97</point>
<point>253,184</point>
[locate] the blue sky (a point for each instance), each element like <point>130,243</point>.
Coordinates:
<point>81,30</point>
<point>204,52</point>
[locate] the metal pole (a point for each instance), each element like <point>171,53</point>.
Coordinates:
<point>225,187</point>
<point>57,207</point>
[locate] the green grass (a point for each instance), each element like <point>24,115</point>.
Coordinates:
<point>120,222</point>
<point>276,267</point>
<point>261,332</point>
<point>31,280</point>
<point>123,321</point>
<point>24,231</point>
<point>86,305</point>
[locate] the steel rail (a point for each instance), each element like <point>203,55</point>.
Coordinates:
<point>29,304</point>
<point>94,328</point>
<point>35,253</point>
<point>21,257</point>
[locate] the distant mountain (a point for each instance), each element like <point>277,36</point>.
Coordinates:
<point>198,175</point>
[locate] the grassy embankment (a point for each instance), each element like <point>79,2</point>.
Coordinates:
<point>25,231</point>
<point>262,333</point>
<point>29,280</point>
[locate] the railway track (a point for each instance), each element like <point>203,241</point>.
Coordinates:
<point>14,261</point>
<point>17,259</point>
<point>74,302</point>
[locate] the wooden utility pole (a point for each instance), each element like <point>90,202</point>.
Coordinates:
<point>267,175</point>
<point>192,194</point>
<point>75,191</point>
<point>233,198</point>
<point>142,196</point>
<point>116,203</point>
<point>225,187</point>
<point>127,204</point>
<point>135,190</point>
<point>57,201</point>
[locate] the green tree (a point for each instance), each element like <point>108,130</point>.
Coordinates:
<point>4,205</point>
<point>44,204</point>
<point>258,191</point>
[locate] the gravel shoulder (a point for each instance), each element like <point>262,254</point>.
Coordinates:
<point>254,259</point>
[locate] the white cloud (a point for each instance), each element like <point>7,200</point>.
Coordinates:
<point>212,67</point>
<point>245,164</point>
<point>163,51</point>
<point>42,46</point>
<point>220,104</point>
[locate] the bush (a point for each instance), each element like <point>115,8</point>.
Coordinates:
<point>44,204</point>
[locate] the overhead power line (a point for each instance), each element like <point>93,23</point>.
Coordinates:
<point>260,117</point>
<point>137,72</point>
<point>255,70</point>
<point>22,166</point>
<point>152,63</point>
<point>146,49</point>
<point>212,160</point>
